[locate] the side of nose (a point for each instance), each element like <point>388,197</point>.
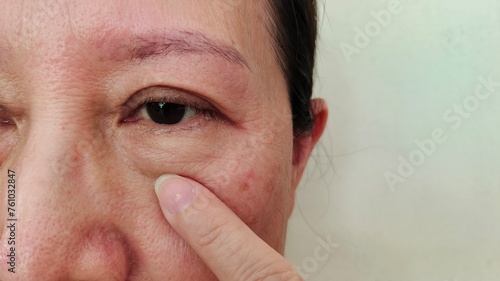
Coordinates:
<point>64,228</point>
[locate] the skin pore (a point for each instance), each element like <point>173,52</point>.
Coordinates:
<point>74,78</point>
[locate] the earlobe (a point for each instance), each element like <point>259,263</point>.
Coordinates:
<point>303,146</point>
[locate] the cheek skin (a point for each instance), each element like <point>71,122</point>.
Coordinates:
<point>259,201</point>
<point>250,188</point>
<point>251,177</point>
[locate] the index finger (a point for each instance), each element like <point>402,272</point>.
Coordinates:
<point>226,244</point>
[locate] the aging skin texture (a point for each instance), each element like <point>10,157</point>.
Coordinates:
<point>72,76</point>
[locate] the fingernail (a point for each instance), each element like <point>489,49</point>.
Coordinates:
<point>174,192</point>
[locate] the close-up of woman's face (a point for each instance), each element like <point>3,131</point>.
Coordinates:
<point>100,98</point>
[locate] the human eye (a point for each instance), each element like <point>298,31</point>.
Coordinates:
<point>8,136</point>
<point>5,121</point>
<point>168,107</point>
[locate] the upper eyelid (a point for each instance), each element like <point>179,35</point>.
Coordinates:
<point>164,94</point>
<point>6,110</point>
<point>12,102</point>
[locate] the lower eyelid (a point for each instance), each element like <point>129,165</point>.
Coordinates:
<point>187,126</point>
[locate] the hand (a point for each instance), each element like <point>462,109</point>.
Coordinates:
<point>226,244</point>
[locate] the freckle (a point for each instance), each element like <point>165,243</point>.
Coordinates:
<point>245,186</point>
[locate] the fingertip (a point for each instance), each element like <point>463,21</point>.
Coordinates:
<point>174,193</point>
<point>161,179</point>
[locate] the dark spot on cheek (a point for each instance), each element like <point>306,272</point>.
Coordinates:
<point>245,186</point>
<point>248,181</point>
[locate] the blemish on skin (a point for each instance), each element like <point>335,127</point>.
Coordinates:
<point>250,175</point>
<point>245,186</point>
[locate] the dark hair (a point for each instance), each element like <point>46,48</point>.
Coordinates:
<point>294,29</point>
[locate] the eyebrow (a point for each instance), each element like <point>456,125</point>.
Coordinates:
<point>151,46</point>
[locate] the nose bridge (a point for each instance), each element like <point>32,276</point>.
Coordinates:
<point>46,167</point>
<point>51,152</point>
<point>59,134</point>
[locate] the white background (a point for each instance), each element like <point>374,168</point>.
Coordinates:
<point>442,222</point>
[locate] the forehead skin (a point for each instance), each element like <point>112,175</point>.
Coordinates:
<point>86,179</point>
<point>67,25</point>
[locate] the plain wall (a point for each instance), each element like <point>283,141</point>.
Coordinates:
<point>414,97</point>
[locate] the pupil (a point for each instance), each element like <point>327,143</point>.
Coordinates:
<point>165,113</point>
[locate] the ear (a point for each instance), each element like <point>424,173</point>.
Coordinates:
<point>303,146</point>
